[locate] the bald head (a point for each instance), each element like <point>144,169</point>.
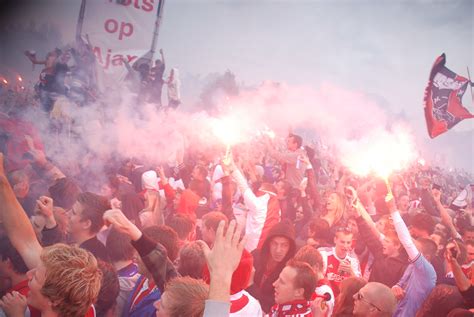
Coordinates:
<point>374,299</point>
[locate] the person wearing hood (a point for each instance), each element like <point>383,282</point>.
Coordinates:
<point>278,247</point>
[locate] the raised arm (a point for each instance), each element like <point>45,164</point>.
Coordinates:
<point>251,201</point>
<point>445,218</point>
<point>230,169</point>
<point>222,261</point>
<point>153,254</point>
<point>402,230</point>
<point>127,65</point>
<point>360,211</point>
<point>283,157</point>
<point>16,223</point>
<point>462,282</point>
<point>170,192</point>
<point>369,238</point>
<point>227,208</point>
<point>33,59</point>
<point>162,56</point>
<point>50,171</point>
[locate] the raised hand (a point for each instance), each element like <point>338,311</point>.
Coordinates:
<point>44,209</point>
<point>161,172</point>
<point>224,257</point>
<point>2,168</point>
<point>38,155</point>
<point>228,165</point>
<point>45,206</point>
<point>13,304</point>
<point>436,194</point>
<point>121,223</point>
<point>452,251</point>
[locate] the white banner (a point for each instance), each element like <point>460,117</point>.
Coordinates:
<point>119,29</point>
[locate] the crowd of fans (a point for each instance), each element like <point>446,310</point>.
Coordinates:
<point>319,241</point>
<point>148,82</point>
<point>71,72</point>
<point>282,231</point>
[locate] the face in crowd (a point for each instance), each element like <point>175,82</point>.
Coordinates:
<point>76,223</point>
<point>285,290</point>
<point>291,144</point>
<point>279,247</point>
<point>374,299</point>
<point>343,242</point>
<point>390,247</point>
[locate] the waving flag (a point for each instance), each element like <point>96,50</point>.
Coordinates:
<point>443,99</point>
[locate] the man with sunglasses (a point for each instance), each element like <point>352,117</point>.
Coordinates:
<point>374,299</point>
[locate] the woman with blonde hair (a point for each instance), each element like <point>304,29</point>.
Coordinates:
<point>335,209</point>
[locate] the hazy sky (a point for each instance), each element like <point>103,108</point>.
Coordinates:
<point>382,48</point>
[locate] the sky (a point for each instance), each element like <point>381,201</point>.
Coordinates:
<point>383,49</point>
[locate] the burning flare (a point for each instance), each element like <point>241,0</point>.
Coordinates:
<point>381,153</point>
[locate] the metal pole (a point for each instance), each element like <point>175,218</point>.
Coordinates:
<point>159,16</point>
<point>470,84</point>
<point>80,20</point>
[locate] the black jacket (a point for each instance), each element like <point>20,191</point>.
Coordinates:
<point>385,270</point>
<point>262,288</point>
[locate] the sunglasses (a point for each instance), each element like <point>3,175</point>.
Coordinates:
<point>360,297</point>
<point>344,229</point>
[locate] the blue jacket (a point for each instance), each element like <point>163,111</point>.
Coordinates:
<point>418,281</point>
<point>145,307</point>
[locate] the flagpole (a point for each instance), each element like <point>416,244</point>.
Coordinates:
<point>470,84</point>
<point>159,16</point>
<point>80,20</point>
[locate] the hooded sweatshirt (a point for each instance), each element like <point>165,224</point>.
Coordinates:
<point>262,287</point>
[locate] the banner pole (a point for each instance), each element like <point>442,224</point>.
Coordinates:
<point>470,84</point>
<point>80,20</point>
<point>159,16</point>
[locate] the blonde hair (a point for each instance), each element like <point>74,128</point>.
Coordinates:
<point>72,280</point>
<point>194,292</point>
<point>338,214</point>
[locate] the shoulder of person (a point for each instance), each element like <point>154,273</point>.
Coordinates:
<point>325,250</point>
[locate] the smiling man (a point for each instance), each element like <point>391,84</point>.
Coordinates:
<point>339,261</point>
<point>390,261</point>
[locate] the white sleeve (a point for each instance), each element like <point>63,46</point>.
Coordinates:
<point>251,201</point>
<point>213,308</point>
<point>321,290</point>
<point>240,180</point>
<point>404,236</point>
<point>355,265</point>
